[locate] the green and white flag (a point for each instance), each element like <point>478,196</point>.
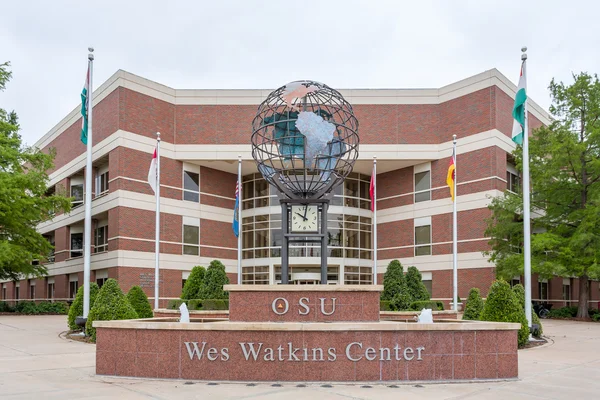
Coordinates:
<point>519,108</point>
<point>85,104</point>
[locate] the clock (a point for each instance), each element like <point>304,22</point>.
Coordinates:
<point>305,219</point>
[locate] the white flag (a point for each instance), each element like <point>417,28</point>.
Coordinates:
<point>152,173</point>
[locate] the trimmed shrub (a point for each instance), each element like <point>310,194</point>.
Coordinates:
<point>564,312</point>
<point>519,291</point>
<point>214,279</point>
<point>401,300</point>
<point>414,283</point>
<point>191,288</point>
<point>393,281</point>
<point>596,317</point>
<point>432,304</point>
<point>139,301</point>
<point>384,305</point>
<point>194,304</point>
<point>27,307</point>
<point>76,309</point>
<point>502,305</point>
<point>57,307</point>
<point>215,304</point>
<point>110,304</point>
<point>174,304</point>
<point>474,305</point>
<point>592,312</point>
<point>5,307</point>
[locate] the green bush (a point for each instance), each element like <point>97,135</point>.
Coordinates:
<point>27,307</point>
<point>596,317</point>
<point>592,312</point>
<point>564,312</point>
<point>384,305</point>
<point>76,309</point>
<point>215,304</point>
<point>110,304</point>
<point>393,281</point>
<point>474,305</point>
<point>174,304</point>
<point>502,305</point>
<point>432,304</point>
<point>194,304</point>
<point>519,291</point>
<point>57,307</point>
<point>401,300</point>
<point>191,288</point>
<point>5,307</point>
<point>414,283</point>
<point>214,279</point>
<point>139,301</point>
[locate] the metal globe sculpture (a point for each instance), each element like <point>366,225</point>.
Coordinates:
<point>305,139</point>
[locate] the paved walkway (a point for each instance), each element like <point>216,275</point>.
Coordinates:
<point>36,363</point>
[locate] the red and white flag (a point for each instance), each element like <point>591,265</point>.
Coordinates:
<point>152,173</point>
<point>372,189</point>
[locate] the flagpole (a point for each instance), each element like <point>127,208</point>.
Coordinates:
<point>87,241</point>
<point>239,212</point>
<point>374,200</point>
<point>454,234</point>
<point>526,203</point>
<point>157,226</point>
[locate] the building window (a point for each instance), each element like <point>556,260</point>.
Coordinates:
<point>513,182</point>
<point>358,275</point>
<point>427,279</point>
<point>4,292</point>
<point>191,240</point>
<point>73,286</point>
<point>101,276</point>
<point>32,292</point>
<point>76,245</point>
<point>77,195</point>
<point>255,275</point>
<point>17,292</point>
<point>566,290</point>
<point>102,184</point>
<point>423,240</point>
<point>51,290</point>
<point>515,281</point>
<point>422,186</point>
<point>191,186</point>
<point>50,238</point>
<point>100,281</point>
<point>543,286</point>
<point>101,239</point>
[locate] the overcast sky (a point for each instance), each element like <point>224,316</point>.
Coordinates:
<point>265,44</point>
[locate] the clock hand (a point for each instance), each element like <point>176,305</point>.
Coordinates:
<point>301,216</point>
<point>305,210</point>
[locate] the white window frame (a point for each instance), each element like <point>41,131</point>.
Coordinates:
<point>420,222</point>
<point>417,169</point>
<point>73,278</point>
<point>51,287</point>
<point>193,169</point>
<point>101,275</point>
<point>191,222</point>
<point>102,176</point>
<point>102,247</point>
<point>77,181</point>
<point>75,231</point>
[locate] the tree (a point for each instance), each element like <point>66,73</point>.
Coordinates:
<point>191,288</point>
<point>474,305</point>
<point>215,278</point>
<point>110,304</point>
<point>414,283</point>
<point>24,201</point>
<point>503,306</point>
<point>393,280</point>
<point>565,177</point>
<point>76,309</point>
<point>139,301</point>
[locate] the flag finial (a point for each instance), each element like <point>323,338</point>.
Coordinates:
<point>524,55</point>
<point>91,56</point>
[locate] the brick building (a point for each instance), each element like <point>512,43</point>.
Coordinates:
<point>203,131</point>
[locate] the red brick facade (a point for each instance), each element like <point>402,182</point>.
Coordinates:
<point>130,203</point>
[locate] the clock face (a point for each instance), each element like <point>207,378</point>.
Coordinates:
<point>305,218</point>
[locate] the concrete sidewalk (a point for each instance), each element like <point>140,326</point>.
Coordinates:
<point>35,363</point>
